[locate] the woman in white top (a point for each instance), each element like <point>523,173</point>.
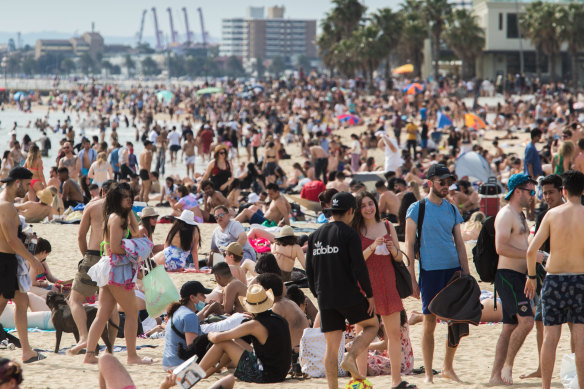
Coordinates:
<point>355,153</point>
<point>100,171</point>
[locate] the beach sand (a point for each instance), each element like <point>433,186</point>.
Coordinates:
<point>473,361</point>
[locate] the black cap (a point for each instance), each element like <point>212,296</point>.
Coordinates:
<point>440,171</point>
<point>342,201</point>
<point>193,287</point>
<point>18,173</point>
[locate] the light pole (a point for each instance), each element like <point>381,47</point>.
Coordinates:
<point>4,65</point>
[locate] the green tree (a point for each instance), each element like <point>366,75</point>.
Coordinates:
<point>29,65</point>
<point>259,68</point>
<point>177,64</point>
<point>277,66</point>
<point>369,49</point>
<point>466,38</point>
<point>68,65</point>
<point>391,25</point>
<point>195,66</point>
<point>234,67</point>
<point>415,31</point>
<point>129,64</point>
<point>150,67</point>
<point>303,62</point>
<point>13,65</point>
<point>571,30</point>
<point>347,16</point>
<point>436,12</point>
<point>86,63</point>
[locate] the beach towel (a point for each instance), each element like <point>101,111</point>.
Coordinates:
<point>260,245</point>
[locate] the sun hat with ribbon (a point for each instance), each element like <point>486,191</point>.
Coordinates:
<point>188,217</point>
<point>257,299</point>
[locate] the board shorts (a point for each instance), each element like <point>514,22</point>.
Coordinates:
<point>8,278</point>
<point>248,368</point>
<point>257,218</point>
<point>510,285</point>
<point>144,175</point>
<point>562,299</point>
<point>189,160</point>
<point>431,283</point>
<point>82,283</point>
<point>174,148</point>
<point>334,319</point>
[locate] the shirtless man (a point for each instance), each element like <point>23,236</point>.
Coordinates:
<point>579,160</point>
<point>87,155</point>
<point>70,191</point>
<point>319,160</point>
<point>277,213</point>
<point>339,183</point>
<point>232,288</point>
<point>36,211</point>
<point>83,286</point>
<point>389,203</point>
<point>565,275</point>
<point>71,162</point>
<point>188,150</point>
<point>145,165</point>
<point>211,199</point>
<point>17,185</point>
<point>511,233</point>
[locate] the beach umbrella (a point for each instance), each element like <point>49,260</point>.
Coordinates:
<point>18,95</point>
<point>408,68</point>
<point>473,121</point>
<point>209,91</point>
<point>443,120</point>
<point>473,165</point>
<point>348,118</point>
<point>165,95</point>
<point>413,88</point>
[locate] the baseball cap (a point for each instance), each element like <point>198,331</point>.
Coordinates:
<point>234,248</point>
<point>193,287</point>
<point>439,171</point>
<point>342,201</point>
<point>517,180</point>
<point>18,173</point>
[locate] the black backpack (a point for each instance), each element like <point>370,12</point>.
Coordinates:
<point>484,253</point>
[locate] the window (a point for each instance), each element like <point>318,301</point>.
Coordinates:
<point>512,26</point>
<point>500,21</point>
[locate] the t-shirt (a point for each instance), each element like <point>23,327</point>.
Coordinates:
<point>232,231</point>
<point>437,249</point>
<point>336,271</point>
<point>189,201</point>
<point>532,157</point>
<point>174,138</point>
<point>184,320</point>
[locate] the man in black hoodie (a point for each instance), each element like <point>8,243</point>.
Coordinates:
<point>336,274</point>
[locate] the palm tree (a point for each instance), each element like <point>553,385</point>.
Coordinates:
<point>415,31</point>
<point>369,49</point>
<point>530,28</point>
<point>347,15</point>
<point>436,13</point>
<point>391,25</point>
<point>466,38</point>
<point>571,30</point>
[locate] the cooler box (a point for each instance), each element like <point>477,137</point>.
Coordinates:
<point>490,204</point>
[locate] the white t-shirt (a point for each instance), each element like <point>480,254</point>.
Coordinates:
<point>174,138</point>
<point>356,147</point>
<point>153,136</point>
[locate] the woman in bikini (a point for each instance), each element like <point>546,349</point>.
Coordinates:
<point>119,223</point>
<point>34,163</point>
<point>287,250</point>
<point>100,171</point>
<point>7,164</point>
<point>184,238</point>
<point>219,170</point>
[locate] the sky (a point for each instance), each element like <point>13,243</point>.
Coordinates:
<point>122,17</point>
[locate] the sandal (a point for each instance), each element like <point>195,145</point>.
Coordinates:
<point>404,385</point>
<point>38,357</point>
<point>422,370</point>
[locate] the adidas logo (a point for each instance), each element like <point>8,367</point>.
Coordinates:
<point>323,250</point>
<point>335,202</point>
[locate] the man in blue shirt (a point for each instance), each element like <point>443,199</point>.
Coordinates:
<point>442,253</point>
<point>532,162</point>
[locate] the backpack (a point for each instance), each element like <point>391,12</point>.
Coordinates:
<point>484,253</point>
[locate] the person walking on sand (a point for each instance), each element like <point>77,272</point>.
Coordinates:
<point>442,253</point>
<point>565,276</point>
<point>17,185</point>
<point>511,233</point>
<point>339,279</point>
<point>145,165</point>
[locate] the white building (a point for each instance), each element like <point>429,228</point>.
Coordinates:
<point>234,40</point>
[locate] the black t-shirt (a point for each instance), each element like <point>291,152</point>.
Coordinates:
<point>335,266</point>
<point>538,219</point>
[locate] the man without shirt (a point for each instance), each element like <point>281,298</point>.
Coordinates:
<point>211,199</point>
<point>145,165</point>
<point>276,214</point>
<point>188,150</point>
<point>17,185</point>
<point>565,275</point>
<point>579,160</point>
<point>69,190</point>
<point>232,288</point>
<point>511,233</point>
<point>389,203</point>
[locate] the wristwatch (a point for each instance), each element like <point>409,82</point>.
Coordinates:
<point>531,277</point>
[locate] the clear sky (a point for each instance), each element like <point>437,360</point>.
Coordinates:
<point>122,17</point>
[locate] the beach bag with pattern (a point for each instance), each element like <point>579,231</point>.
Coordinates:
<point>312,351</point>
<point>159,290</point>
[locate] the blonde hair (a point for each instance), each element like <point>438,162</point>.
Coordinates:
<point>102,157</point>
<point>34,153</point>
<point>567,149</point>
<point>415,189</point>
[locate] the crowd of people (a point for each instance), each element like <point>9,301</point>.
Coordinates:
<point>242,137</point>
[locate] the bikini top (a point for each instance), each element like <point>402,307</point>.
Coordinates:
<point>104,243</point>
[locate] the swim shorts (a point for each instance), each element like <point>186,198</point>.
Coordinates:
<point>8,271</point>
<point>144,175</point>
<point>82,283</point>
<point>248,368</point>
<point>174,148</point>
<point>334,319</point>
<point>257,218</point>
<point>510,285</point>
<point>431,282</point>
<point>562,299</point>
<point>189,160</point>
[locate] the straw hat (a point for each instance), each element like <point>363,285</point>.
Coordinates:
<point>284,232</point>
<point>218,148</point>
<point>188,217</point>
<point>233,248</point>
<point>257,299</point>
<point>148,212</point>
<point>45,196</point>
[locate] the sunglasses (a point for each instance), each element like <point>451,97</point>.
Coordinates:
<point>219,216</point>
<point>446,182</point>
<point>222,152</point>
<point>531,191</point>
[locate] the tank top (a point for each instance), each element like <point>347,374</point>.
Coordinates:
<point>276,353</point>
<point>219,177</point>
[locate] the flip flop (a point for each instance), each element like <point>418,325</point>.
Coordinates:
<point>404,385</point>
<point>38,357</point>
<point>422,370</point>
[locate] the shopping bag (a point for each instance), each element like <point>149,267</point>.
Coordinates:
<point>159,291</point>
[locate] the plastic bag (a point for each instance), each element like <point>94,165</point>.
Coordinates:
<point>568,372</point>
<point>100,272</point>
<point>159,291</point>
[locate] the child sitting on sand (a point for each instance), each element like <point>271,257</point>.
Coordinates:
<point>43,283</point>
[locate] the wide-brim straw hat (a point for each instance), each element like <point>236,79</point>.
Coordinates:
<point>257,299</point>
<point>285,232</point>
<point>45,196</point>
<point>188,217</point>
<point>148,212</point>
<point>218,148</point>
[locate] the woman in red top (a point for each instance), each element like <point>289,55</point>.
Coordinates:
<point>219,170</point>
<point>380,247</point>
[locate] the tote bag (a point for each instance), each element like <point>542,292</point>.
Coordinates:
<point>159,290</point>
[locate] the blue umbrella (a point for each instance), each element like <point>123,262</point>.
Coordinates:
<point>443,120</point>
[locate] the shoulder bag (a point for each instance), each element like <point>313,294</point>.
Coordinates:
<point>403,279</point>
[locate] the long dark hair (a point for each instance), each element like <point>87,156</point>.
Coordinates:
<point>185,232</point>
<point>173,307</point>
<point>113,204</point>
<point>145,221</point>
<point>358,222</point>
<point>287,240</point>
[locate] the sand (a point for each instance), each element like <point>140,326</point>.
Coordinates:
<point>473,361</point>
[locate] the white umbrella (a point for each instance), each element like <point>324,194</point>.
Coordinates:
<point>473,165</point>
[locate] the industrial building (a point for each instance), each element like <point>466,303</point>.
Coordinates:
<point>90,42</point>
